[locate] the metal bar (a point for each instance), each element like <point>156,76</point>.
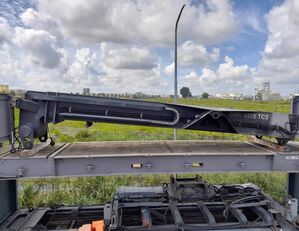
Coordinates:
<point>55,112</point>
<point>239,215</point>
<point>176,56</point>
<point>266,216</point>
<point>91,100</point>
<point>143,164</point>
<point>176,214</point>
<point>206,213</point>
<point>197,118</point>
<point>293,185</point>
<point>248,204</point>
<point>196,228</point>
<point>175,96</point>
<point>152,157</point>
<point>293,178</point>
<point>127,119</point>
<point>8,198</point>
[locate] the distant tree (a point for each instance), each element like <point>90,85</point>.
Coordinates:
<point>205,95</point>
<point>185,92</point>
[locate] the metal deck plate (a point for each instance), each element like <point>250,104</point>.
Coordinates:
<point>162,148</point>
<point>149,157</point>
<point>43,153</point>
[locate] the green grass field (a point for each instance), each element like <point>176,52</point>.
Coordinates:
<point>96,190</point>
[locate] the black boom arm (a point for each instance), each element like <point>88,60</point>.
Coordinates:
<point>38,109</point>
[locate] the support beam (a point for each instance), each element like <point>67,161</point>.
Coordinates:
<point>8,198</point>
<point>178,220</point>
<point>293,178</point>
<point>293,185</point>
<point>150,157</point>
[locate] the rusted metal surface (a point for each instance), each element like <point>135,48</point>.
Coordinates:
<point>43,151</point>
<point>269,144</point>
<point>162,148</point>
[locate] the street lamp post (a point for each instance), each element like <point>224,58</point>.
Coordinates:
<point>175,97</point>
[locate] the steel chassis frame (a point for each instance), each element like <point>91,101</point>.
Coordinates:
<point>66,160</point>
<point>58,160</point>
<point>170,207</point>
<point>51,163</point>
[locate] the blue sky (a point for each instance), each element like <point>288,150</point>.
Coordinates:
<point>127,46</point>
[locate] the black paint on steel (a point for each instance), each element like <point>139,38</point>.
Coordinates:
<point>176,56</point>
<point>293,185</point>
<point>6,118</point>
<point>155,208</point>
<point>8,198</point>
<point>39,108</point>
<point>293,178</point>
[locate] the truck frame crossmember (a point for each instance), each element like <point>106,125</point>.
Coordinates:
<point>183,204</point>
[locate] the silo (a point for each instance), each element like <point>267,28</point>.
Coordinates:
<point>6,117</point>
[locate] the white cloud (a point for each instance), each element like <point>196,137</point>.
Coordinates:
<point>77,76</point>
<point>227,70</point>
<point>40,47</point>
<point>281,54</point>
<point>83,71</point>
<point>254,22</point>
<point>190,53</point>
<point>194,55</point>
<point>194,81</point>
<point>169,70</point>
<point>8,66</point>
<point>131,69</point>
<point>252,18</point>
<point>37,20</point>
<point>283,27</point>
<point>127,57</point>
<point>119,44</point>
<point>14,72</point>
<point>6,32</point>
<point>108,72</point>
<point>148,81</point>
<point>145,22</point>
<point>227,77</point>
<point>212,24</point>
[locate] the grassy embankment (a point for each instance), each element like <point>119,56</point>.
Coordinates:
<point>96,190</point>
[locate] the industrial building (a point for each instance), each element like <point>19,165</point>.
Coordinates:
<point>229,96</point>
<point>86,91</point>
<point>4,88</point>
<point>265,93</point>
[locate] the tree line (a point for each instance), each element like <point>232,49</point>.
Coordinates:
<point>186,93</point>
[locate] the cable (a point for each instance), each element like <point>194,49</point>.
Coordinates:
<point>16,139</point>
<point>246,199</point>
<point>54,207</point>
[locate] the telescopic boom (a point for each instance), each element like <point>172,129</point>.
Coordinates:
<point>38,109</point>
